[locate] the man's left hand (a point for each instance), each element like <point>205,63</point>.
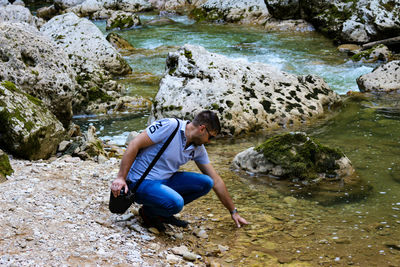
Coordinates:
<point>239,221</point>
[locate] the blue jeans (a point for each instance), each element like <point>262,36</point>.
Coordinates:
<point>167,197</point>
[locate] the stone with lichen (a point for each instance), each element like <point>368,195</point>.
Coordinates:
<point>5,167</point>
<point>29,130</point>
<point>247,96</point>
<point>305,168</point>
<point>122,20</point>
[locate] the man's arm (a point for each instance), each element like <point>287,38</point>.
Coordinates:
<point>222,192</point>
<point>141,141</point>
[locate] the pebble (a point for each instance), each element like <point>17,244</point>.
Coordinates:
<point>190,256</point>
<point>201,233</point>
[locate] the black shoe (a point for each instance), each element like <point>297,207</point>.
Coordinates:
<point>151,221</point>
<point>174,221</point>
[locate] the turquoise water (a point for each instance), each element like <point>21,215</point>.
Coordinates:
<point>361,233</point>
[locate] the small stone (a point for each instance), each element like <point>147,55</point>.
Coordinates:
<point>201,233</point>
<point>172,259</point>
<point>179,250</point>
<point>222,248</point>
<point>189,256</point>
<point>290,200</point>
<point>153,230</point>
<point>63,145</point>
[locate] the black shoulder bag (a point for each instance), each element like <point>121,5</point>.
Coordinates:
<point>121,203</point>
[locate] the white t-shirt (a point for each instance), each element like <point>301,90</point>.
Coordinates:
<point>173,157</point>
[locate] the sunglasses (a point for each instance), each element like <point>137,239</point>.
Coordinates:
<point>210,136</point>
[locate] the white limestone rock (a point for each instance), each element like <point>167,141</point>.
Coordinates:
<point>245,12</point>
<point>385,78</point>
<point>18,13</point>
<point>246,96</point>
<point>85,45</point>
<point>34,63</point>
<point>64,4</point>
<point>122,20</point>
<point>29,129</point>
<point>4,3</point>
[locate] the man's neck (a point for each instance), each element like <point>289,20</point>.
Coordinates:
<point>188,134</point>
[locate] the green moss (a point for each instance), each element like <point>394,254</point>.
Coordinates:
<point>214,106</point>
<point>300,155</point>
<point>10,86</point>
<point>228,116</point>
<point>188,54</point>
<point>199,14</point>
<point>96,93</point>
<point>5,167</point>
<point>229,103</point>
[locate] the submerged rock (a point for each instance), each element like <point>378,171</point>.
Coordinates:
<point>122,20</point>
<point>118,42</point>
<point>304,166</point>
<point>29,130</point>
<point>38,67</point>
<point>246,96</point>
<point>245,12</point>
<point>385,78</point>
<point>5,167</point>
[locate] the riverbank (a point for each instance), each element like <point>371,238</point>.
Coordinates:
<point>55,212</point>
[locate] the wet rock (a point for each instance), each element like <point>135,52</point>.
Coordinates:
<point>19,14</point>
<point>118,42</point>
<point>385,78</point>
<point>122,20</point>
<point>350,49</point>
<point>160,22</point>
<point>248,12</point>
<point>287,9</point>
<point>305,168</point>
<point>246,96</point>
<point>32,62</point>
<point>29,129</point>
<point>5,167</point>
<point>379,52</point>
<point>47,12</point>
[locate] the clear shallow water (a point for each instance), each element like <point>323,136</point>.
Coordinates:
<point>362,233</point>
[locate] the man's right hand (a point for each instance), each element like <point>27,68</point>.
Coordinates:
<point>117,185</point>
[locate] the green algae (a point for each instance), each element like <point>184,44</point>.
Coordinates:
<point>300,155</point>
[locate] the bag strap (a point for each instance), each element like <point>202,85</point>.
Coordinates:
<point>156,158</point>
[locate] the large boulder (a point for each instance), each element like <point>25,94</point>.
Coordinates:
<point>93,58</point>
<point>17,13</point>
<point>354,21</point>
<point>122,20</point>
<point>306,167</point>
<point>29,130</point>
<point>247,96</point>
<point>385,78</point>
<point>245,12</point>
<point>5,167</point>
<point>90,8</point>
<point>34,63</point>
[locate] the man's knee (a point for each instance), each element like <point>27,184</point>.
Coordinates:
<point>175,205</point>
<point>209,183</point>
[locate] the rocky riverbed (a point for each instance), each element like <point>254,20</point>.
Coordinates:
<point>56,212</point>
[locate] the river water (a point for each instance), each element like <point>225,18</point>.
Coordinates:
<point>283,230</point>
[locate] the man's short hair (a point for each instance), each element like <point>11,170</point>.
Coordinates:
<point>209,119</point>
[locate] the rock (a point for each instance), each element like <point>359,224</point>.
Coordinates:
<point>244,12</point>
<point>290,200</point>
<point>385,78</point>
<point>297,154</point>
<point>5,167</point>
<point>246,96</point>
<point>354,21</point>
<point>122,20</point>
<point>18,13</point>
<point>160,22</point>
<point>92,56</point>
<point>172,259</point>
<point>180,250</point>
<point>89,8</point>
<point>201,233</point>
<point>306,167</point>
<point>189,256</point>
<point>63,145</point>
<point>379,52</point>
<point>64,4</point>
<point>29,129</point>
<point>4,3</point>
<point>350,49</point>
<point>32,62</point>
<point>298,25</point>
<point>286,9</point>
<point>47,12</point>
<point>118,42</point>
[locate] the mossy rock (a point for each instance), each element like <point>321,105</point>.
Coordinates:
<point>5,167</point>
<point>301,156</point>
